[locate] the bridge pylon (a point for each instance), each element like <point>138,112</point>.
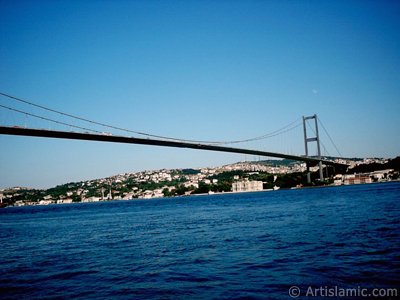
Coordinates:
<point>310,140</point>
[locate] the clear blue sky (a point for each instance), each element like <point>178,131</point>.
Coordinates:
<point>199,70</point>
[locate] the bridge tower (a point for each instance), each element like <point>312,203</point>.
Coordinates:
<point>309,140</point>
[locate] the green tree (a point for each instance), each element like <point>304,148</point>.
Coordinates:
<point>167,193</point>
<point>181,190</point>
<point>202,189</point>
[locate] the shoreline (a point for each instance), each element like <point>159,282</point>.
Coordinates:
<point>207,194</point>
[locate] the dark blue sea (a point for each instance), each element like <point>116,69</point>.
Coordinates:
<point>232,246</point>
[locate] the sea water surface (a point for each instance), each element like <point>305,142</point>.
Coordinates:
<point>230,246</point>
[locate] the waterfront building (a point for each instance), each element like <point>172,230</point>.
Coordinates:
<point>357,179</point>
<point>247,186</point>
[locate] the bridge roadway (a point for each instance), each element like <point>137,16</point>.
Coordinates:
<point>153,142</point>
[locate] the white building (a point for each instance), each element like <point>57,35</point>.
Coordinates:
<point>247,186</point>
<point>63,201</point>
<point>45,202</point>
<point>91,199</point>
<point>382,174</point>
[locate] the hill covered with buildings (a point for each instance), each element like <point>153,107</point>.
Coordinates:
<point>241,176</point>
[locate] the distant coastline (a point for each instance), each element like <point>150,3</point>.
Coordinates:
<point>239,177</point>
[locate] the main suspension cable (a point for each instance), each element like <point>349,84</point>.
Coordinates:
<point>47,119</point>
<point>265,136</point>
<point>333,143</point>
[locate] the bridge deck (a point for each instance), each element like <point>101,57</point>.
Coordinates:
<point>153,142</point>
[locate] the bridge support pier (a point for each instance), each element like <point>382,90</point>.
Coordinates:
<point>309,140</point>
<point>308,174</point>
<point>321,171</point>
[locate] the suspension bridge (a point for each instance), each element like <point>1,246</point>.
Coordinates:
<point>90,134</point>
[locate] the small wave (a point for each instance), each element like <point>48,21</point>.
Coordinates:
<point>69,274</point>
